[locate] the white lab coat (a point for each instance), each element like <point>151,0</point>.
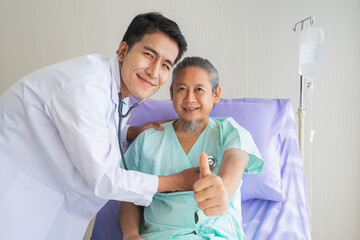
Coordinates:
<point>59,151</point>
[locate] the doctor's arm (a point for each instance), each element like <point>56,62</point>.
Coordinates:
<point>182,181</point>
<point>83,115</point>
<point>134,131</point>
<point>212,192</point>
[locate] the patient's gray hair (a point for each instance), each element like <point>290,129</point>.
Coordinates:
<point>197,62</point>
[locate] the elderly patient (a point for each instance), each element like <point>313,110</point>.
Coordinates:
<point>185,143</point>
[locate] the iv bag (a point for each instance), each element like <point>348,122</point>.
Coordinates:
<point>311,53</point>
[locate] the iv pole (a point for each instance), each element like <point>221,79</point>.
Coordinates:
<point>302,109</point>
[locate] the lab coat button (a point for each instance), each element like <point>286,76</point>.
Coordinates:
<point>89,215</point>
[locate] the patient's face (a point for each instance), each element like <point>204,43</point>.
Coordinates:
<point>192,95</point>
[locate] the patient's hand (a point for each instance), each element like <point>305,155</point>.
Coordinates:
<point>134,131</point>
<point>210,191</point>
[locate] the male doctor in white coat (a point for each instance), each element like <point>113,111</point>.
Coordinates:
<point>59,148</point>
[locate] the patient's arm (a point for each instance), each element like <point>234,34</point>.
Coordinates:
<point>232,168</point>
<point>212,192</point>
<point>130,220</point>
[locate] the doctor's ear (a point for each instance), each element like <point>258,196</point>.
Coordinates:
<point>123,47</point>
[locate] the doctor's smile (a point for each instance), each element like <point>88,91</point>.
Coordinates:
<point>147,81</point>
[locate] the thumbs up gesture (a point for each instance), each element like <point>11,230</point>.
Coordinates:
<point>209,191</point>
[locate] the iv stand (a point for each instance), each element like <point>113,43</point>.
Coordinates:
<point>302,109</point>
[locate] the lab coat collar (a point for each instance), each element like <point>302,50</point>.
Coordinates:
<point>115,72</point>
<point>116,83</point>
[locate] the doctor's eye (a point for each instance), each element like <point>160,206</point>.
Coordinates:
<point>167,67</point>
<point>199,89</point>
<point>148,55</point>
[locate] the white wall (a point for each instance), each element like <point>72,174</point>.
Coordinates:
<point>254,48</point>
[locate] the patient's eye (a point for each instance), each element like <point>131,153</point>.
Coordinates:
<point>181,89</point>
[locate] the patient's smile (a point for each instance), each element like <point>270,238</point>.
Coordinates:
<point>190,109</point>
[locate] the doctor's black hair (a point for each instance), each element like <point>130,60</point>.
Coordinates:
<point>197,62</point>
<point>153,22</point>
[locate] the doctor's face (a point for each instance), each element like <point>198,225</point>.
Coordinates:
<point>193,96</point>
<point>147,65</point>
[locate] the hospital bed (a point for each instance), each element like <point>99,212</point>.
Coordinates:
<point>274,202</point>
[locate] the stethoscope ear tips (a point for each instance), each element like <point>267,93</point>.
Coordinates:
<point>117,53</point>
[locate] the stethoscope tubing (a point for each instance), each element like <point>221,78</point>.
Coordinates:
<point>121,116</point>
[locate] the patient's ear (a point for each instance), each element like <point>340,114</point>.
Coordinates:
<point>217,94</point>
<point>171,92</point>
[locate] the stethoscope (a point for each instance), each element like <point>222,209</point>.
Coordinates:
<point>121,116</point>
<point>212,161</point>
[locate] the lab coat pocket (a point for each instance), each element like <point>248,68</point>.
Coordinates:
<point>28,209</point>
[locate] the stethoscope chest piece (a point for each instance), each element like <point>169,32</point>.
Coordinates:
<point>212,161</point>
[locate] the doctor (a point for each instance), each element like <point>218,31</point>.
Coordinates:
<point>59,151</point>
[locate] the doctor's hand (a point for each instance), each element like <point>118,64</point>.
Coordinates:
<point>182,181</point>
<point>209,191</point>
<point>187,179</point>
<point>134,131</point>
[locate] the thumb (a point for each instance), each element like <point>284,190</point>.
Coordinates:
<point>204,165</point>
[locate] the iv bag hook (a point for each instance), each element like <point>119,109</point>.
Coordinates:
<point>311,18</point>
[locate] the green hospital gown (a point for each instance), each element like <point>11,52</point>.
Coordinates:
<point>176,215</point>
